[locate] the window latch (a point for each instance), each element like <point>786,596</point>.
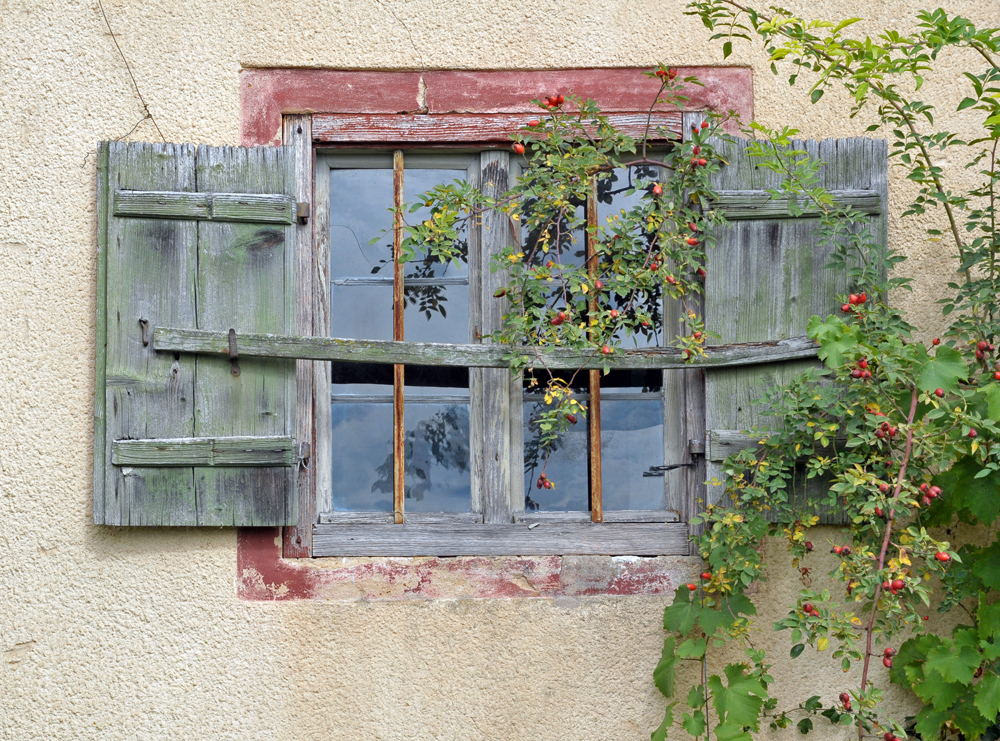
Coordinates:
<point>659,471</point>
<point>234,355</point>
<point>302,212</point>
<point>305,451</point>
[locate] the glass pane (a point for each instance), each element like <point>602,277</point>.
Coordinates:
<point>612,199</point>
<point>436,314</point>
<point>415,182</point>
<point>360,210</point>
<point>361,312</point>
<point>568,466</point>
<point>437,456</point>
<point>631,444</point>
<point>362,456</point>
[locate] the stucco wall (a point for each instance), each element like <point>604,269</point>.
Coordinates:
<point>128,634</point>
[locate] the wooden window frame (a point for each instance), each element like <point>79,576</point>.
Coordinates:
<point>476,109</point>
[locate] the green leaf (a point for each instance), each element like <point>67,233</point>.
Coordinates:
<point>797,650</point>
<point>989,619</point>
<point>988,695</point>
<point>727,49</point>
<point>816,95</point>
<point>912,654</point>
<point>943,371</point>
<point>958,662</point>
<point>740,702</point>
<point>967,103</point>
<point>692,649</point>
<point>694,724</point>
<point>712,620</point>
<point>987,566</point>
<point>665,671</point>
<point>696,696</point>
<point>967,717</point>
<point>835,339</point>
<point>731,732</point>
<point>682,614</point>
<point>963,488</point>
<point>660,734</point>
<point>929,721</point>
<point>805,725</point>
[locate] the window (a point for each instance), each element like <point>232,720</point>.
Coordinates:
<point>224,397</point>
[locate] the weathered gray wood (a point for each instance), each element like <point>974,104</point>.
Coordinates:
<point>410,518</point>
<point>478,263</point>
<point>206,451</point>
<point>101,335</point>
<point>501,540</point>
<point>610,516</point>
<point>151,267</point>
<point>246,281</point>
<point>322,457</point>
<point>297,135</point>
<point>767,277</point>
<point>258,209</point>
<point>495,236</point>
<point>172,339</point>
<point>744,205</point>
<point>393,128</point>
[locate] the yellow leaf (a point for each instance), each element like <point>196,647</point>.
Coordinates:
<point>903,558</point>
<point>855,621</point>
<point>823,644</point>
<point>584,288</point>
<point>975,445</point>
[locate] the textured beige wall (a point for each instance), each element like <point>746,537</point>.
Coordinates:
<point>111,634</point>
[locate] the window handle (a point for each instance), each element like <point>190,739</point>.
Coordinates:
<point>659,471</point>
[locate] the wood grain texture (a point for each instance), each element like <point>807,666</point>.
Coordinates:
<point>610,516</point>
<point>151,274</point>
<point>175,339</point>
<point>485,128</point>
<point>246,281</point>
<point>101,336</point>
<point>501,540</point>
<point>495,236</point>
<point>259,209</point>
<point>767,277</point>
<point>297,135</point>
<point>746,205</point>
<point>206,451</point>
<point>412,518</point>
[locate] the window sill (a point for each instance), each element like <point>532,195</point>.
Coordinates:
<point>264,576</point>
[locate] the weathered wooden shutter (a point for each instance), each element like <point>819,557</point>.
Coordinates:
<point>767,277</point>
<point>194,238</point>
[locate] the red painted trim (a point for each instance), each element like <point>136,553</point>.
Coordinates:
<point>266,94</point>
<point>264,576</point>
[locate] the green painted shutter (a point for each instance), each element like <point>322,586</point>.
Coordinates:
<point>196,238</point>
<point>766,278</point>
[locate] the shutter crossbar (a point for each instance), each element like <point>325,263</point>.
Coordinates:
<point>206,451</point>
<point>169,339</point>
<point>238,207</point>
<point>748,205</point>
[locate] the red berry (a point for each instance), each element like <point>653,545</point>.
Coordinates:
<point>884,488</point>
<point>898,584</point>
<point>846,308</point>
<point>996,376</point>
<point>926,618</point>
<point>889,652</point>
<point>671,280</point>
<point>808,544</point>
<point>560,100</point>
<point>606,350</point>
<point>706,575</point>
<point>862,364</point>
<point>661,73</point>
<point>692,587</point>
<point>942,557</point>
<point>866,375</point>
<point>571,418</point>
<point>704,124</point>
<point>696,150</point>
<point>807,607</point>
<point>697,335</point>
<point>862,298</point>
<point>926,501</point>
<point>614,313</point>
<point>692,241</point>
<point>853,299</point>
<point>836,549</point>
<point>657,189</point>
<point>556,321</point>
<point>702,162</point>
<point>973,433</point>
<point>982,345</point>
<point>940,392</point>
<point>887,736</point>
<point>979,355</point>
<point>518,148</point>
<point>598,285</point>
<point>844,697</point>
<point>879,512</point>
<point>887,662</point>
<point>856,373</point>
<point>925,488</point>
<point>936,341</point>
<point>887,584</point>
<point>672,73</point>
<point>645,324</point>
<point>692,226</point>
<point>935,492</point>
<point>845,551</point>
<point>701,272</point>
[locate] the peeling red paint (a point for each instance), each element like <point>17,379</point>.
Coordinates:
<point>266,94</point>
<point>263,575</point>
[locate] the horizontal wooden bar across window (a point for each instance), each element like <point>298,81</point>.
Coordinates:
<point>723,443</point>
<point>240,207</point>
<point>747,205</point>
<point>457,128</point>
<point>520,539</point>
<point>205,451</point>
<point>170,339</point>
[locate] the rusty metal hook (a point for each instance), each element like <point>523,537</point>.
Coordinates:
<point>234,354</point>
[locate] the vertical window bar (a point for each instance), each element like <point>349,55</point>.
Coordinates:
<point>596,506</point>
<point>398,307</point>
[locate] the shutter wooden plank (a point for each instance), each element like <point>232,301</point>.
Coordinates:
<point>205,451</point>
<point>101,334</point>
<point>150,276</point>
<point>766,278</point>
<point>261,209</point>
<point>246,282</point>
<point>723,443</point>
<point>480,356</point>
<point>501,540</point>
<point>743,205</point>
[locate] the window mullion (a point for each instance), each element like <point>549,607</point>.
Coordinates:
<point>596,505</point>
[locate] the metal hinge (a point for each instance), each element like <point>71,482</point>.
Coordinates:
<point>697,447</point>
<point>302,212</point>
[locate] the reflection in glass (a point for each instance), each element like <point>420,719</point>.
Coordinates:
<point>360,210</point>
<point>362,438</point>
<point>568,464</point>
<point>631,444</point>
<point>361,312</point>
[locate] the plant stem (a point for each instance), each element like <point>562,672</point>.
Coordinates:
<point>869,630</point>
